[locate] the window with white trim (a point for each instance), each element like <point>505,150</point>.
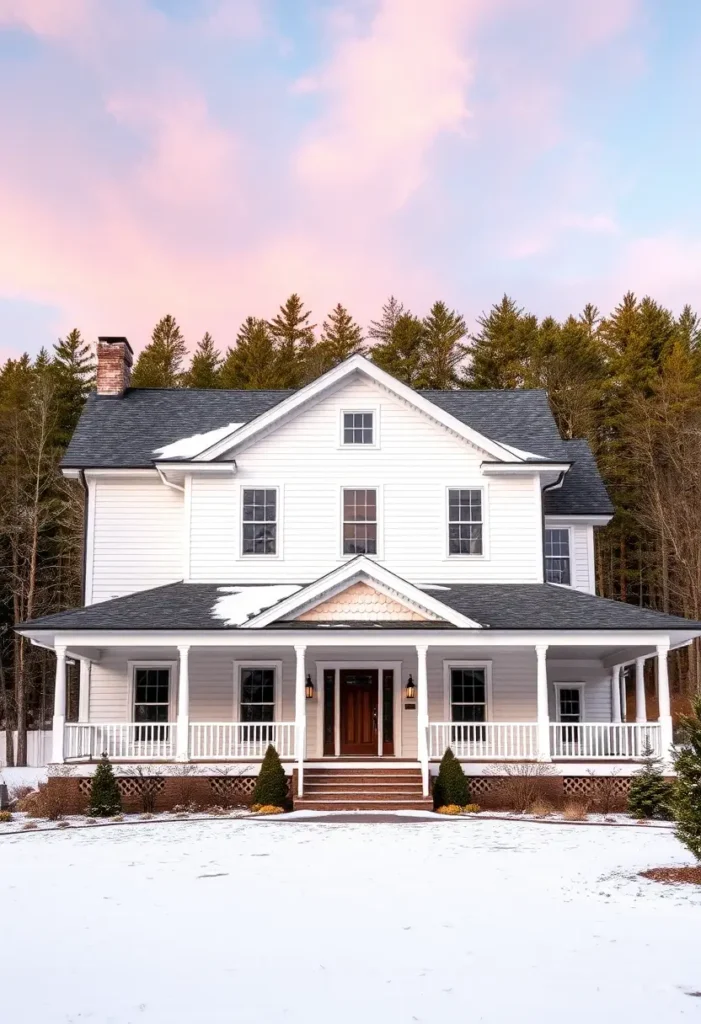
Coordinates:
<point>465,521</point>
<point>257,694</point>
<point>468,694</point>
<point>358,428</point>
<point>359,521</point>
<point>259,514</point>
<point>151,703</point>
<point>557,556</point>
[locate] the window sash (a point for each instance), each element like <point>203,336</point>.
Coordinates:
<point>465,521</point>
<point>358,428</point>
<point>257,694</point>
<point>259,513</point>
<point>570,704</point>
<point>558,559</point>
<point>152,690</point>
<point>359,521</point>
<point>471,681</point>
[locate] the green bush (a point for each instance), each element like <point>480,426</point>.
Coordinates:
<point>105,800</point>
<point>650,794</point>
<point>271,784</point>
<point>686,799</point>
<point>451,786</point>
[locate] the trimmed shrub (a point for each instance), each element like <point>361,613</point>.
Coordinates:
<point>5,817</point>
<point>649,795</point>
<point>105,801</point>
<point>686,800</point>
<point>472,809</point>
<point>451,786</point>
<point>271,784</point>
<point>449,809</point>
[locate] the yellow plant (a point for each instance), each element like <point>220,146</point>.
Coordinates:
<point>5,817</point>
<point>267,809</point>
<point>472,809</point>
<point>450,809</point>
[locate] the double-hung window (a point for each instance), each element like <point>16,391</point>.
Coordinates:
<point>151,703</point>
<point>260,515</point>
<point>358,428</point>
<point>257,703</point>
<point>468,704</point>
<point>359,521</point>
<point>557,556</point>
<point>465,521</point>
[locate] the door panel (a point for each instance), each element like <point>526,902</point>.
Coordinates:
<point>358,712</point>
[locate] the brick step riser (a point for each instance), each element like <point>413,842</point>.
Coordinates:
<point>356,794</point>
<point>356,783</point>
<point>389,776</point>
<point>365,805</point>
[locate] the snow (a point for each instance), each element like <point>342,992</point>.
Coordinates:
<point>432,586</point>
<point>519,452</point>
<point>239,603</point>
<point>16,777</point>
<point>261,921</point>
<point>187,447</point>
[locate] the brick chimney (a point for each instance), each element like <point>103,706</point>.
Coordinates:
<point>114,361</point>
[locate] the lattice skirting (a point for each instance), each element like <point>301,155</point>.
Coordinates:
<point>593,787</point>
<point>602,792</point>
<point>171,791</point>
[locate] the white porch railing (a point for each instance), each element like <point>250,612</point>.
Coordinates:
<point>229,741</point>
<point>127,741</point>
<point>485,741</point>
<point>604,740</point>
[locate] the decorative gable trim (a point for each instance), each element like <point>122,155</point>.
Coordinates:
<point>331,380</point>
<point>360,602</point>
<point>360,570</point>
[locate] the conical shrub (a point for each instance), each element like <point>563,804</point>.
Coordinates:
<point>451,786</point>
<point>271,784</point>
<point>105,800</point>
<point>649,795</point>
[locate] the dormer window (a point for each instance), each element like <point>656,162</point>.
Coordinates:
<point>358,428</point>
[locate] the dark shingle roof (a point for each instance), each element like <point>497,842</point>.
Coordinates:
<point>533,606</point>
<point>125,432</point>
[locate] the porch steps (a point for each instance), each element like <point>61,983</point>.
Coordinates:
<point>356,789</point>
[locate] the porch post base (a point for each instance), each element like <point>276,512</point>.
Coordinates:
<point>57,735</point>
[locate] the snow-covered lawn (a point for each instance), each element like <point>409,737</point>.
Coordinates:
<point>263,921</point>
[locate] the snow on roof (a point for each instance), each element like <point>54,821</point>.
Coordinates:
<point>519,452</point>
<point>238,604</point>
<point>432,586</point>
<point>187,447</point>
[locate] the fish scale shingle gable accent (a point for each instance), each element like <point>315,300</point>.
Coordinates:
<point>124,433</point>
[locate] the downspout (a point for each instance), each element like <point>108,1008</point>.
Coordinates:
<point>169,483</point>
<point>549,487</point>
<point>81,477</point>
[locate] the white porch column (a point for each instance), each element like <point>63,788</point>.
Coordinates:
<point>59,721</point>
<point>84,691</point>
<point>624,707</point>
<point>640,708</point>
<point>300,716</point>
<point>541,651</point>
<point>664,702</point>
<point>422,712</point>
<point>616,693</point>
<point>183,734</point>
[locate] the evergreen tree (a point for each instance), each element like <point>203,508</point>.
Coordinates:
<point>687,789</point>
<point>73,369</point>
<point>253,362</point>
<point>205,368</point>
<point>341,336</point>
<point>381,330</point>
<point>444,349</point>
<point>294,338</point>
<point>271,784</point>
<point>403,355</point>
<point>105,800</point>
<point>160,363</point>
<point>451,786</point>
<point>500,353</point>
<point>649,795</point>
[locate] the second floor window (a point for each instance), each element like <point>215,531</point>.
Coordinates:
<point>259,521</point>
<point>465,522</point>
<point>557,556</point>
<point>358,428</point>
<point>359,522</point>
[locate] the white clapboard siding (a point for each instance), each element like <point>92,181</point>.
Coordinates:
<point>415,462</point>
<point>583,577</point>
<point>137,540</point>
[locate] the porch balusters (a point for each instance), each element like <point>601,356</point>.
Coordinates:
<point>665,719</point>
<point>59,721</point>
<point>183,730</point>
<point>640,708</point>
<point>422,713</point>
<point>300,716</point>
<point>541,651</point>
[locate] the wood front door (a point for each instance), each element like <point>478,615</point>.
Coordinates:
<point>358,712</point>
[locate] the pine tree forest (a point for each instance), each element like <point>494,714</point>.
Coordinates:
<point>628,381</point>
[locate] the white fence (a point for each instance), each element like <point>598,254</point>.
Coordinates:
<point>592,741</point>
<point>214,741</point>
<point>485,741</point>
<point>120,741</point>
<point>38,748</point>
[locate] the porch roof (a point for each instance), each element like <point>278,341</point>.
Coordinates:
<point>508,606</point>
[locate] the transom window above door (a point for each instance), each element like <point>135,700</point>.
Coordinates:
<point>259,514</point>
<point>359,521</point>
<point>465,521</point>
<point>358,428</point>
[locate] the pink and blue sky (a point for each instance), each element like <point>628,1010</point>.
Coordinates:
<point>207,157</point>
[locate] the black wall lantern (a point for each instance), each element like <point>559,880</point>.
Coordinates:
<point>309,688</point>
<point>410,691</point>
